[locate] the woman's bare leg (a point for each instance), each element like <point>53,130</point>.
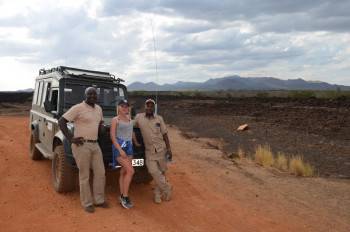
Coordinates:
<point>121,180</point>
<point>127,177</point>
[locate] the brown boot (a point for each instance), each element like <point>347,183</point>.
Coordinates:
<point>89,209</point>
<point>168,194</point>
<point>157,198</point>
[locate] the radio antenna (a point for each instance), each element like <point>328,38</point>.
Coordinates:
<point>155,65</point>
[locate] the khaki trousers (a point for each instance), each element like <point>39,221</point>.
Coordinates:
<point>89,156</point>
<point>157,166</point>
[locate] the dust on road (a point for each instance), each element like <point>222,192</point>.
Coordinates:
<point>210,194</point>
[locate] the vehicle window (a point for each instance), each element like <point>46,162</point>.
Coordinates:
<point>107,96</point>
<point>74,94</point>
<point>38,99</point>
<point>54,99</point>
<point>119,94</point>
<point>48,91</point>
<point>35,92</point>
<point>43,96</point>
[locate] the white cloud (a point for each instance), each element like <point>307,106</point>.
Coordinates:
<point>195,40</point>
<point>16,74</point>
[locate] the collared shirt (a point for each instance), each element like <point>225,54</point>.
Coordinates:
<point>152,130</point>
<point>86,120</point>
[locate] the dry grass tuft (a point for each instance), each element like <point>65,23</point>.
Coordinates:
<point>264,156</point>
<point>299,168</point>
<point>281,162</point>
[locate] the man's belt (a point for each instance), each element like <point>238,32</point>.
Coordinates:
<point>90,141</point>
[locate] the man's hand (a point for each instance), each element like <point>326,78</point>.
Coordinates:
<point>169,155</point>
<point>137,144</point>
<point>167,143</point>
<point>77,141</point>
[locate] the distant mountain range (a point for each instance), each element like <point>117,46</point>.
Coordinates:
<point>29,90</point>
<point>239,83</point>
<point>26,90</point>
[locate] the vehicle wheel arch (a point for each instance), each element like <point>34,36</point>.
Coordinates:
<point>56,142</point>
<point>34,126</point>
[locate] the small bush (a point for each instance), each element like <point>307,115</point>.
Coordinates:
<point>262,95</point>
<point>281,162</point>
<point>264,156</point>
<point>303,94</point>
<point>299,168</point>
<point>335,94</point>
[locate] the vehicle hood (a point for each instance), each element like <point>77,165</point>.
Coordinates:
<point>107,121</point>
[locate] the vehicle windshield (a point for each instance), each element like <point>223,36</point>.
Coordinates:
<point>107,96</point>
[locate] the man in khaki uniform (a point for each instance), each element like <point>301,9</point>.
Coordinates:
<point>87,117</point>
<point>155,138</point>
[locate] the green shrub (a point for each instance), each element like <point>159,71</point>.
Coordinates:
<point>304,94</point>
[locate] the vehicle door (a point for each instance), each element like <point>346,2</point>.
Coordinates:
<point>39,112</point>
<point>50,121</point>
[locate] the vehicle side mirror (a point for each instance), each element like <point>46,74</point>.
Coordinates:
<point>47,106</point>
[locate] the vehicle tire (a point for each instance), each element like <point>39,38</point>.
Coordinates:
<point>34,153</point>
<point>64,176</point>
<point>142,176</point>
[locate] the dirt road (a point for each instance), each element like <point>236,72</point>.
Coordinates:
<point>210,194</point>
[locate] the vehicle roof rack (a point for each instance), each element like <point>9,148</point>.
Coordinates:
<point>81,72</point>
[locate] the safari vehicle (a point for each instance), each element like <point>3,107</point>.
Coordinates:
<point>58,89</point>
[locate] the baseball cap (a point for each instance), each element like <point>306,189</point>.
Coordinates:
<point>123,102</point>
<point>150,100</point>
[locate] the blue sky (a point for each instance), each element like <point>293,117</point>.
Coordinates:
<point>195,40</point>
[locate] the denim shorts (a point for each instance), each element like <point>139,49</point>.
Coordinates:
<point>125,145</point>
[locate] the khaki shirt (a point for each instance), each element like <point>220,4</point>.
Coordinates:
<point>152,130</point>
<point>86,120</point>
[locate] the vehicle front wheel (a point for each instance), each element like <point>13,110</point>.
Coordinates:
<point>34,153</point>
<point>64,177</point>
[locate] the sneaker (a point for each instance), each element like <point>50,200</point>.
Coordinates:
<point>124,202</point>
<point>129,203</point>
<point>89,209</point>
<point>157,198</point>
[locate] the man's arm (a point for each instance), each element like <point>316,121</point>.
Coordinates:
<point>134,140</point>
<point>101,128</point>
<point>62,122</point>
<point>164,132</point>
<point>167,143</point>
<point>136,121</point>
